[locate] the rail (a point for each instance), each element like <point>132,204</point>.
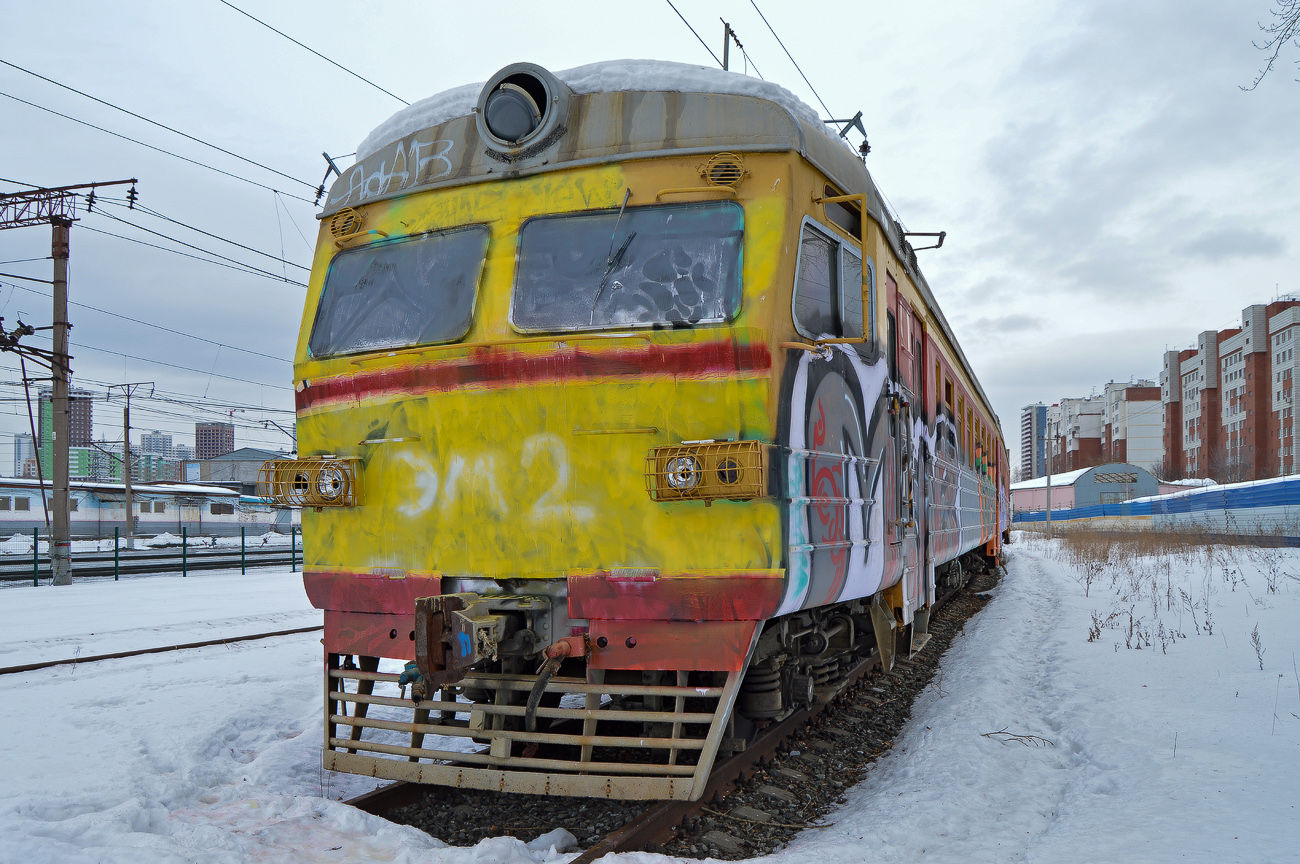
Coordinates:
<point>117,655</point>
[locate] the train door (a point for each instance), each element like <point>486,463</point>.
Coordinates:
<point>908,445</point>
<point>836,389</point>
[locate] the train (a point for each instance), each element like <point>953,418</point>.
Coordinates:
<point>97,509</point>
<point>627,425</point>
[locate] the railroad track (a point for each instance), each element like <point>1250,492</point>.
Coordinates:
<point>117,655</point>
<point>785,781</point>
<point>138,562</point>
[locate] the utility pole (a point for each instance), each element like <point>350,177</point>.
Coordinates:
<point>128,523</point>
<point>727,33</point>
<point>1049,480</point>
<point>61,531</point>
<point>56,206</point>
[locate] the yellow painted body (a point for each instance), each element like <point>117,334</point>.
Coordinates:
<point>536,479</point>
<point>539,479</point>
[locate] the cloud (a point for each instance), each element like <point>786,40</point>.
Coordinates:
<point>1008,323</point>
<point>1222,243</point>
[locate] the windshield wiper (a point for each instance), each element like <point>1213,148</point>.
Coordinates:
<point>614,261</point>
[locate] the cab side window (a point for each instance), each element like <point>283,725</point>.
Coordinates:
<point>828,296</point>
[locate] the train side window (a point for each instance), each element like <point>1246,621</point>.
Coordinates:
<point>851,293</point>
<point>160,506</point>
<point>4,503</point>
<point>73,506</point>
<point>670,265</point>
<point>816,307</point>
<point>410,291</point>
<point>144,506</point>
<point>220,508</point>
<point>22,503</point>
<point>892,347</point>
<point>829,301</point>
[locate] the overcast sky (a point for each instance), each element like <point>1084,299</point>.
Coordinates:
<point>1107,188</point>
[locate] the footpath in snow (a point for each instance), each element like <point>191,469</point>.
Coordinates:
<point>213,755</point>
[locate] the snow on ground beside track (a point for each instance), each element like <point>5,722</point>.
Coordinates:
<point>1109,786</point>
<point>103,617</point>
<point>214,754</point>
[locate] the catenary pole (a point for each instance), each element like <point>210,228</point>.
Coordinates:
<point>61,533</point>
<point>128,522</point>
<point>57,207</point>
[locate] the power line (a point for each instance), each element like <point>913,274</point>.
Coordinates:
<point>317,53</point>
<point>158,215</point>
<point>174,365</point>
<point>25,260</point>
<point>218,406</point>
<point>252,271</point>
<point>201,249</point>
<point>792,60</point>
<point>157,326</point>
<point>692,29</point>
<point>151,147</point>
<point>310,186</point>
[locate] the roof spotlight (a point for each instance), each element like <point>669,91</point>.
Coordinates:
<point>511,113</point>
<point>521,112</point>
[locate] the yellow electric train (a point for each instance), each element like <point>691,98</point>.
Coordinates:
<point>627,424</point>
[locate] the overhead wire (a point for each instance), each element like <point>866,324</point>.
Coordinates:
<point>791,56</point>
<point>692,29</point>
<point>82,345</point>
<point>156,326</point>
<point>314,51</point>
<point>204,251</point>
<point>252,271</point>
<point>152,147</point>
<point>171,129</point>
<point>148,211</point>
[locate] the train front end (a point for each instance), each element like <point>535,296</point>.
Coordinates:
<point>534,390</point>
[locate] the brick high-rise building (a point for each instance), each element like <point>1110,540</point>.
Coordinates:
<point>213,439</point>
<point>1284,333</point>
<point>80,417</point>
<point>1226,400</point>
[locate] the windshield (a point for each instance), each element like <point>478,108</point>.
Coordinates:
<point>413,291</point>
<point>670,265</point>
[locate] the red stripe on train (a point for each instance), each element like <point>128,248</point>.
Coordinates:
<point>491,366</point>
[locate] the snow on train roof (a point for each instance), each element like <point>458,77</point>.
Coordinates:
<point>604,77</point>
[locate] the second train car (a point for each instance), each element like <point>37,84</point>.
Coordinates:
<point>628,424</point>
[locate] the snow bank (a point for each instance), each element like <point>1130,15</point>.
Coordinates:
<point>607,76</point>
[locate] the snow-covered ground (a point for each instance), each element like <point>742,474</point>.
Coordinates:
<point>213,754</point>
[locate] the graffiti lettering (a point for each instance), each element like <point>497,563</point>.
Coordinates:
<point>477,479</point>
<point>548,505</point>
<point>414,162</point>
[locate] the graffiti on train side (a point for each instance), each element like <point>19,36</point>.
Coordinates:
<point>476,480</point>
